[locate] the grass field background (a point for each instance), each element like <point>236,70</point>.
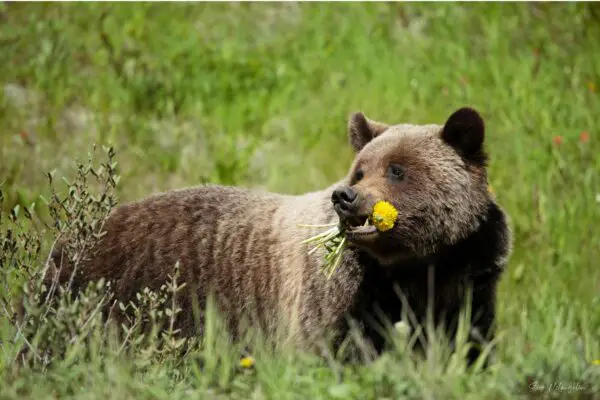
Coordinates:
<point>258,95</point>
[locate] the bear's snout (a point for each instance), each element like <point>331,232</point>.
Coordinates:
<point>345,202</point>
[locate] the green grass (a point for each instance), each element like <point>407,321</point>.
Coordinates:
<point>258,95</point>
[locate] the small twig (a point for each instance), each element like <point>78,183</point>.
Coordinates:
<point>96,310</point>
<point>20,333</point>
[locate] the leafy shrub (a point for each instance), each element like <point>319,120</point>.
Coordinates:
<point>47,320</point>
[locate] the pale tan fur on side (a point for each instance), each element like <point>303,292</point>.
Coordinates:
<point>243,245</point>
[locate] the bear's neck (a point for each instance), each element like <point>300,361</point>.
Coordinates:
<point>387,290</point>
<point>470,256</point>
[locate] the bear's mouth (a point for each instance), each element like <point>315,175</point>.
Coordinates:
<point>359,226</point>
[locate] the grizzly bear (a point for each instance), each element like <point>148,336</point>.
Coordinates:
<point>244,246</point>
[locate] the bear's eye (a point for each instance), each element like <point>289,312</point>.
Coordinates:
<point>395,171</point>
<point>358,175</point>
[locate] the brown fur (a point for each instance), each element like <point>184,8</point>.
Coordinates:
<point>244,246</point>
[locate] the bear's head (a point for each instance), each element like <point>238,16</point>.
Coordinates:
<point>434,175</point>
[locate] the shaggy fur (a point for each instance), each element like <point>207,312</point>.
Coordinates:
<point>244,246</point>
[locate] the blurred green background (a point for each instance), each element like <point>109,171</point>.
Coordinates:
<point>258,95</point>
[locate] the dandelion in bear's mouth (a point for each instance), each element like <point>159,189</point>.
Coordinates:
<point>383,217</point>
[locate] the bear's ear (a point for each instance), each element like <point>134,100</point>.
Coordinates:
<point>464,131</point>
<point>362,130</point>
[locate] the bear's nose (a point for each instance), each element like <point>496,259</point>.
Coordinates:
<point>344,197</point>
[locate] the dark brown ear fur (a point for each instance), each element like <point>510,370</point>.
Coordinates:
<point>362,130</point>
<point>464,131</point>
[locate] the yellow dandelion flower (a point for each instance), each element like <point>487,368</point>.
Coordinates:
<point>596,362</point>
<point>384,216</point>
<point>247,362</point>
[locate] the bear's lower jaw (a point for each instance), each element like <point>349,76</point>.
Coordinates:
<point>361,234</point>
<point>362,230</point>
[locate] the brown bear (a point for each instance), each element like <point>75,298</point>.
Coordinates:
<point>244,246</point>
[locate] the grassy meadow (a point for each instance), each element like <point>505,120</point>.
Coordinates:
<point>258,95</point>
